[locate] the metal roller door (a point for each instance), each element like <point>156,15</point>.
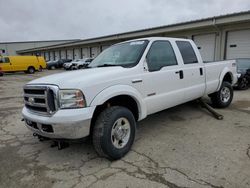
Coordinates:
<point>57,56</point>
<point>46,56</point>
<point>238,44</point>
<point>42,54</point>
<point>85,52</point>
<point>63,54</point>
<point>206,46</point>
<point>51,56</point>
<point>70,54</point>
<point>77,53</point>
<point>95,51</point>
<point>104,47</point>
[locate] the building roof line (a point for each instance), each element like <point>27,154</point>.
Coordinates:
<point>119,35</point>
<point>61,40</point>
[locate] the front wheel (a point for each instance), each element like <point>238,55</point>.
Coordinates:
<point>223,97</point>
<point>53,67</point>
<point>114,132</point>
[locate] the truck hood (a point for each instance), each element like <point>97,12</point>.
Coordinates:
<point>86,77</point>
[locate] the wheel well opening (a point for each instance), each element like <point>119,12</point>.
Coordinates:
<point>121,100</point>
<point>228,78</point>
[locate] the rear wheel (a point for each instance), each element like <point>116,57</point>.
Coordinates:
<point>223,97</point>
<point>114,132</point>
<point>31,70</point>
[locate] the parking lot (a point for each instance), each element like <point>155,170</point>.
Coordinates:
<point>180,147</point>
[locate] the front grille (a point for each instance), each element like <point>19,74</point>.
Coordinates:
<point>40,99</point>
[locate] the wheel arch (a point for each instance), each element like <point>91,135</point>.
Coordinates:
<point>123,95</point>
<point>226,75</point>
<point>121,91</point>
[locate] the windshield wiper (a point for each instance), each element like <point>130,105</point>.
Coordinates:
<point>108,65</point>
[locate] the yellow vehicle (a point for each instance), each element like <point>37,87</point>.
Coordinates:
<point>28,64</point>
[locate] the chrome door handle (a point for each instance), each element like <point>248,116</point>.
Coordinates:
<point>136,81</point>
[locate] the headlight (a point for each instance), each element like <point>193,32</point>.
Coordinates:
<point>71,99</point>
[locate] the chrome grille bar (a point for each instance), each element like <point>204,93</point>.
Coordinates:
<point>36,99</point>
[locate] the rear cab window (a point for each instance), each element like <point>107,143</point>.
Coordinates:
<point>187,52</point>
<point>161,54</point>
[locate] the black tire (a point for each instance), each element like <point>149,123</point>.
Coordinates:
<point>103,136</point>
<point>31,70</point>
<point>53,67</point>
<point>40,69</point>
<point>223,97</point>
<point>243,84</point>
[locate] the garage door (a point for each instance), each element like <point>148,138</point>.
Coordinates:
<point>57,56</point>
<point>70,54</point>
<point>63,54</point>
<point>94,51</point>
<point>206,46</point>
<point>238,44</point>
<point>42,54</point>
<point>46,56</point>
<point>51,56</point>
<point>104,47</point>
<point>77,53</point>
<point>85,52</point>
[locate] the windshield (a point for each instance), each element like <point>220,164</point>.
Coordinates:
<point>243,63</point>
<point>125,54</point>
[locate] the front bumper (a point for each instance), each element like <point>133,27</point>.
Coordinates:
<point>65,124</point>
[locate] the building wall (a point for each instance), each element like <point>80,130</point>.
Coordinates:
<point>10,48</point>
<point>213,41</point>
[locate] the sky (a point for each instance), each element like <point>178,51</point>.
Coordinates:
<point>27,20</point>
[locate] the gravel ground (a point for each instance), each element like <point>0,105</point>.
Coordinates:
<point>180,147</point>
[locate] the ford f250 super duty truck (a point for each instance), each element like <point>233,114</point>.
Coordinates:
<point>123,85</point>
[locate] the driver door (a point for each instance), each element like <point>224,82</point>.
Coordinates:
<point>5,64</point>
<point>163,80</point>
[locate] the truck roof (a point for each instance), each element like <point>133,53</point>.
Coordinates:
<point>157,38</point>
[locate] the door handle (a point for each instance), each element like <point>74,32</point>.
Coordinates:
<point>180,74</point>
<point>201,71</point>
<point>136,81</point>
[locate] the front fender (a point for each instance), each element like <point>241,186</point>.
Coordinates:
<point>117,90</point>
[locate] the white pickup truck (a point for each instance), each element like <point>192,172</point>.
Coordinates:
<point>123,85</point>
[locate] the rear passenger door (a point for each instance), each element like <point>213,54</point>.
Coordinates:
<point>193,71</point>
<point>162,80</point>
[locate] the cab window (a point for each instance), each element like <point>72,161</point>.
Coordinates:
<point>161,54</point>
<point>4,60</point>
<point>187,52</point>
